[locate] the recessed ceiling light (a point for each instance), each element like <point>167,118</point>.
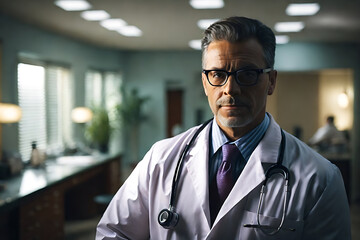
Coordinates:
<point>73,5</point>
<point>302,9</point>
<point>282,39</point>
<point>130,31</point>
<point>205,23</point>
<point>95,15</point>
<point>113,24</point>
<point>195,44</point>
<point>289,26</point>
<point>206,4</point>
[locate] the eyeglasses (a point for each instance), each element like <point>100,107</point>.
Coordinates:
<point>243,77</point>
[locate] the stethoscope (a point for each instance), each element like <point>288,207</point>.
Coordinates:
<point>276,168</point>
<point>168,217</point>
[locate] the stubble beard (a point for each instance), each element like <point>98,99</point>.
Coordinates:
<point>231,122</point>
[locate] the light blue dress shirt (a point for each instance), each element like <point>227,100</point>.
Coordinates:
<point>246,145</point>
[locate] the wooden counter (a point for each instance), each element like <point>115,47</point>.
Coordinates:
<point>35,204</point>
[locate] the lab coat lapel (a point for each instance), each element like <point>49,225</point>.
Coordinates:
<point>253,173</point>
<point>250,178</point>
<point>197,164</point>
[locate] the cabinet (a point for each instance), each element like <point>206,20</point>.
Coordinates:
<point>43,216</point>
<point>61,191</point>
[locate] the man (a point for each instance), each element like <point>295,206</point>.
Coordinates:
<point>328,138</point>
<point>217,189</point>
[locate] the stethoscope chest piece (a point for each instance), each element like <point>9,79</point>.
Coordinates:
<point>168,218</point>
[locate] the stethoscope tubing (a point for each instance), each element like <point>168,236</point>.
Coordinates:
<point>179,164</point>
<point>277,168</point>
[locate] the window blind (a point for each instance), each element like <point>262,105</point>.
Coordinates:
<point>102,89</point>
<point>44,94</point>
<point>94,89</point>
<point>53,115</point>
<point>31,97</point>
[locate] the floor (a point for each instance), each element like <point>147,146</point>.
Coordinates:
<point>81,229</point>
<point>85,229</point>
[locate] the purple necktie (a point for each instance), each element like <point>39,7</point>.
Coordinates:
<point>224,181</point>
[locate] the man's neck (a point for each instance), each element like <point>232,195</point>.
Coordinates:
<point>234,133</point>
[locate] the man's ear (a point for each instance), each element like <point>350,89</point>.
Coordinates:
<point>204,82</point>
<point>272,82</point>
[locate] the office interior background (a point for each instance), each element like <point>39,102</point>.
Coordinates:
<point>314,67</point>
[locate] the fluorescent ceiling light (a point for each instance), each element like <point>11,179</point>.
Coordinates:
<point>289,26</point>
<point>302,9</point>
<point>130,31</point>
<point>113,24</point>
<point>73,5</point>
<point>206,4</point>
<point>195,44</point>
<point>282,39</point>
<point>95,15</point>
<point>205,23</point>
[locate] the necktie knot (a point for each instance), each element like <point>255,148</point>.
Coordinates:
<point>230,153</point>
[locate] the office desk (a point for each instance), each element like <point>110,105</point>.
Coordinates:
<point>36,203</point>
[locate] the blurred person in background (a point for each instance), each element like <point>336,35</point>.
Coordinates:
<point>328,138</point>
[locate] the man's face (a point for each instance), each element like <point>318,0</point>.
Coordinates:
<point>238,109</point>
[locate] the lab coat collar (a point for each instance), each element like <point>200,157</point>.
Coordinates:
<point>197,164</point>
<point>268,149</point>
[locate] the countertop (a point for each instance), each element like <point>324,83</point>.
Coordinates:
<point>32,180</point>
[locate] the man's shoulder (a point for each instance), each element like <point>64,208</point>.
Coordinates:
<point>164,154</point>
<point>302,150</point>
<point>307,160</point>
<point>175,143</point>
<point>181,137</point>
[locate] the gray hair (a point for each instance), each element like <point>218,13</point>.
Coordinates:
<point>235,29</point>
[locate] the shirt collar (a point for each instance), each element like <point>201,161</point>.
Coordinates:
<point>219,138</point>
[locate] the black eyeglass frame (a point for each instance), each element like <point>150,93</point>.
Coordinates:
<point>258,71</point>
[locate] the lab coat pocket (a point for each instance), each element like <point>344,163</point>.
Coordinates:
<point>291,229</point>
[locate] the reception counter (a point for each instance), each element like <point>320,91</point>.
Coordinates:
<point>35,204</point>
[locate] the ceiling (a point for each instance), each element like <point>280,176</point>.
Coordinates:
<point>171,24</point>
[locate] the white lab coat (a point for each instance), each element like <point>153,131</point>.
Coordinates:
<point>318,207</point>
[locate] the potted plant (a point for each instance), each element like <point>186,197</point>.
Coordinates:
<point>98,132</point>
<point>130,114</point>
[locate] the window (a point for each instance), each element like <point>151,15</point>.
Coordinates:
<point>102,89</point>
<point>44,94</point>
